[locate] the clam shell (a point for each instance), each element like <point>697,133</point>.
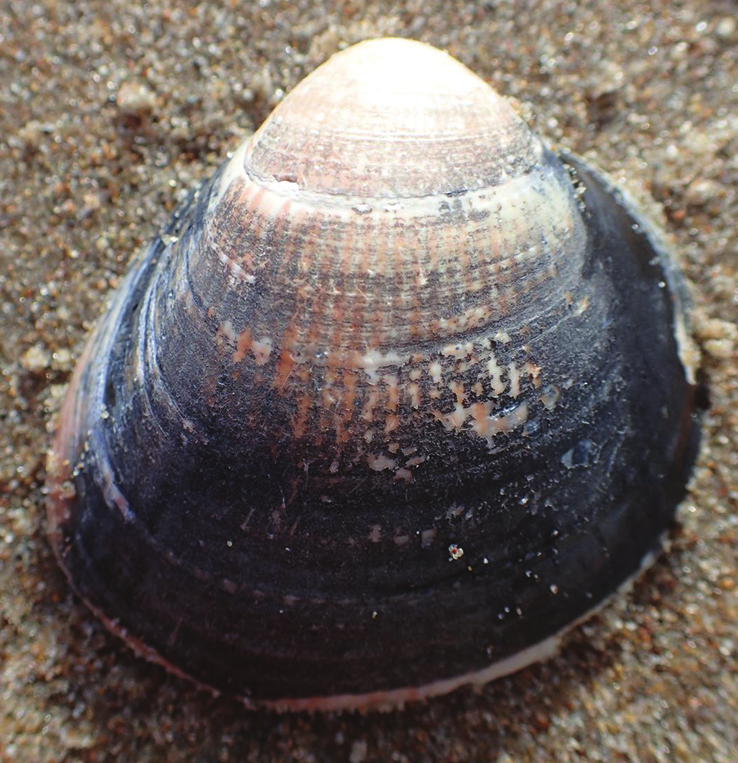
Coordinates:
<point>398,396</point>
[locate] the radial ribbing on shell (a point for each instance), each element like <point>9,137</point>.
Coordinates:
<point>391,207</point>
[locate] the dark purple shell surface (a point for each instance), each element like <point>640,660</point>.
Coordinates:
<point>398,396</point>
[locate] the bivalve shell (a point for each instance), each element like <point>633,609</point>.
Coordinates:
<point>398,396</point>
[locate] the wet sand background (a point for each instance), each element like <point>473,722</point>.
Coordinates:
<point>110,111</point>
